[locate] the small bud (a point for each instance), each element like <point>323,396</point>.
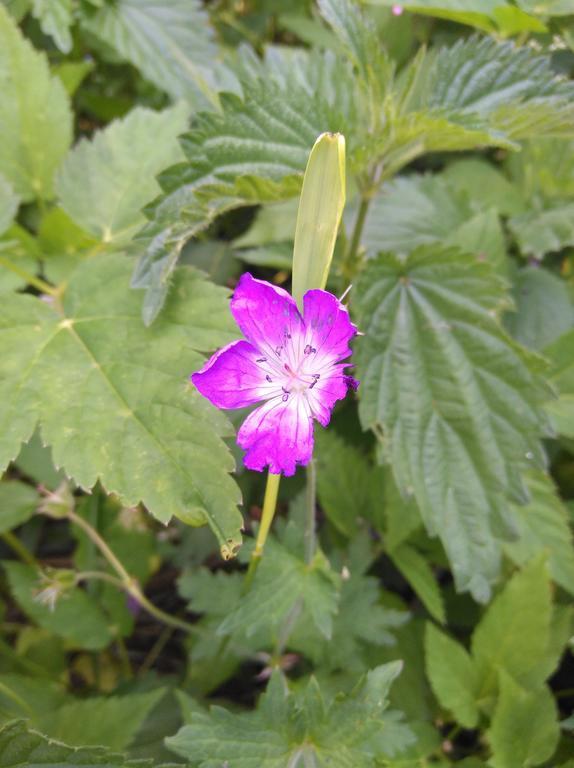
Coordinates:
<point>58,503</point>
<point>54,584</point>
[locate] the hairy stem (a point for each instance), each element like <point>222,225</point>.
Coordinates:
<point>269,506</point>
<point>37,282</point>
<point>16,546</point>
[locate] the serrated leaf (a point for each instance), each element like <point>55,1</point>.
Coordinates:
<point>421,578</point>
<point>543,528</point>
<point>561,411</point>
<point>281,581</point>
<point>539,232</point>
<point>524,729</point>
<point>291,729</point>
<point>104,183</point>
<point>171,42</point>
<point>76,617</point>
<point>55,17</point>
<point>134,423</point>
<point>255,151</point>
<point>35,116</point>
<point>18,503</point>
<point>402,517</point>
<point>8,205</point>
<point>453,676</point>
<point>544,168</point>
<point>486,184</point>
<point>513,634</point>
<point>543,308</point>
<point>22,747</point>
<point>455,403</point>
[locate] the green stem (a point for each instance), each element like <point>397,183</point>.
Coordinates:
<point>155,651</point>
<point>269,506</point>
<point>37,282</point>
<point>355,242</point>
<point>16,546</point>
<point>309,534</point>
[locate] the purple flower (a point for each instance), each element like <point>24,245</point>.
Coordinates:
<point>290,362</point>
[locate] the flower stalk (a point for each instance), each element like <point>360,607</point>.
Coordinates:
<point>269,507</point>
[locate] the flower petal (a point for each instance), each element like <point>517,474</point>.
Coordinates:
<point>267,315</point>
<point>279,435</point>
<point>329,327</point>
<point>232,378</point>
<point>332,386</point>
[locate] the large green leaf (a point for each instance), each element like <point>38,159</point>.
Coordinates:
<point>170,41</point>
<point>35,117</point>
<point>55,17</point>
<point>296,729</point>
<point>112,398</point>
<point>21,747</point>
<point>454,401</point>
<point>562,376</point>
<point>8,205</point>
<point>18,503</point>
<point>255,151</point>
<point>420,576</point>
<point>103,184</point>
<point>542,231</point>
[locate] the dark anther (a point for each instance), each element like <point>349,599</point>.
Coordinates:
<point>309,349</point>
<point>316,375</point>
<point>278,350</point>
<point>268,377</point>
<point>285,390</point>
<point>261,360</point>
<point>285,397</point>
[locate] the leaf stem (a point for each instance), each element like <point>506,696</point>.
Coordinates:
<point>355,241</point>
<point>309,536</point>
<point>37,282</point>
<point>16,546</point>
<point>269,506</point>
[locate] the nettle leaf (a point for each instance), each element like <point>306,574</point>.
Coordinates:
<point>255,151</point>
<point>543,528</point>
<point>420,576</point>
<point>21,746</point>
<point>171,42</point>
<point>55,17</point>
<point>283,580</point>
<point>128,417</point>
<point>455,403</point>
<point>524,729</point>
<point>9,203</point>
<point>103,184</point>
<point>75,617</point>
<point>542,231</point>
<point>35,116</point>
<point>18,503</point>
<point>486,185</point>
<point>561,411</point>
<point>543,308</point>
<point>289,729</point>
<point>544,168</point>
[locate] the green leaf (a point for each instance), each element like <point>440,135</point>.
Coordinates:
<point>402,517</point>
<point>487,185</point>
<point>544,168</point>
<point>35,117</point>
<point>524,730</point>
<point>106,721</point>
<point>283,580</point>
<point>451,398</point>
<point>9,203</point>
<point>453,676</point>
<point>561,411</point>
<point>103,184</point>
<point>55,17</point>
<point>420,576</point>
<point>543,528</point>
<point>294,729</point>
<point>170,41</point>
<point>544,310</point>
<point>320,209</point>
<point>349,488</point>
<point>539,232</point>
<point>135,424</point>
<point>255,151</point>
<point>18,503</point>
<point>21,747</point>
<point>514,632</point>
<point>75,617</point>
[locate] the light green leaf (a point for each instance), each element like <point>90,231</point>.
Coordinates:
<point>524,730</point>
<point>35,117</point>
<point>513,634</point>
<point>451,398</point>
<point>544,168</point>
<point>349,488</point>
<point>18,503</point>
<point>272,224</point>
<point>487,185</point>
<point>420,576</point>
<point>281,581</point>
<point>548,7</point>
<point>134,423</point>
<point>542,231</point>
<point>254,152</point>
<point>290,729</point>
<point>170,41</point>
<point>75,617</point>
<point>453,676</point>
<point>21,747</point>
<point>55,17</point>
<point>103,184</point>
<point>543,528</point>
<point>561,411</point>
<point>543,307</point>
<point>9,203</point>
<point>106,721</point>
